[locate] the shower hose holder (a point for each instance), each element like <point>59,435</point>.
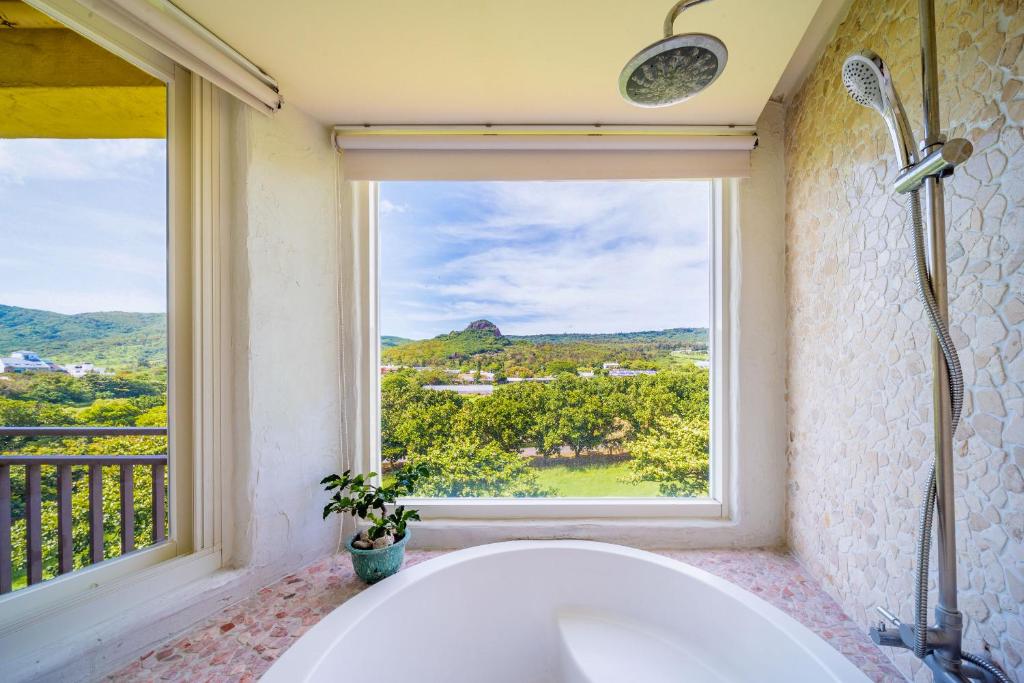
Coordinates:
<point>937,161</point>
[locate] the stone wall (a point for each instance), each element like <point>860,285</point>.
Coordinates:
<point>858,375</point>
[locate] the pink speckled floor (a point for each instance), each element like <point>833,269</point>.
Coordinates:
<point>242,641</point>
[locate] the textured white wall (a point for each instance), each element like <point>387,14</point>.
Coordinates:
<point>759,338</point>
<point>859,376</point>
<point>288,405</point>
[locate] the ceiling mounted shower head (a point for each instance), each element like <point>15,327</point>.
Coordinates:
<point>869,83</point>
<point>675,68</point>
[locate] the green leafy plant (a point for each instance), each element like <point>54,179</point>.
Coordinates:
<point>358,496</point>
<point>467,467</point>
<point>675,455</point>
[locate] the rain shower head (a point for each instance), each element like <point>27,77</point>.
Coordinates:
<point>675,68</point>
<point>869,83</point>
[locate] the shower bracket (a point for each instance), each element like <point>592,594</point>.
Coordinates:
<point>938,160</point>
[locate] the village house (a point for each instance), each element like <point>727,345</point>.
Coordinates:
<point>27,361</point>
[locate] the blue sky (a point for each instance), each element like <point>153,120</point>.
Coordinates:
<point>83,229</point>
<point>83,225</point>
<point>543,257</point>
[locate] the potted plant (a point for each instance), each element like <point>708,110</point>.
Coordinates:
<point>378,551</point>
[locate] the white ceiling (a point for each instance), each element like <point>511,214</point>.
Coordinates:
<point>499,61</point>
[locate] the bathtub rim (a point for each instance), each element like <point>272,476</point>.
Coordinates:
<point>307,653</point>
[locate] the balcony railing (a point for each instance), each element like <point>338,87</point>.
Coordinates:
<point>63,463</point>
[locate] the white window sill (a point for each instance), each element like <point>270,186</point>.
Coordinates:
<point>93,632</point>
<point>564,508</point>
<point>89,596</point>
<point>125,581</point>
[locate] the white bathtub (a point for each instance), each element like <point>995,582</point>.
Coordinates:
<point>566,611</point>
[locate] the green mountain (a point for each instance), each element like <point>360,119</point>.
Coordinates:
<point>674,337</point>
<point>482,341</point>
<point>479,337</point>
<point>111,339</point>
<point>388,341</point>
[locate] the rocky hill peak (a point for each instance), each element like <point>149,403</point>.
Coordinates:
<point>484,326</point>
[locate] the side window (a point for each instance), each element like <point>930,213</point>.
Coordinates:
<point>83,305</point>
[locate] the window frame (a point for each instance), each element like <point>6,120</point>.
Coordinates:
<point>362,202</point>
<point>198,366</point>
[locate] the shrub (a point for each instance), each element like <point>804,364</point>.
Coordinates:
<point>578,414</point>
<point>675,455</point>
<point>466,467</point>
<point>557,367</point>
<point>111,412</point>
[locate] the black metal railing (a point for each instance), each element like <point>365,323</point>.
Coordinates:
<point>64,463</point>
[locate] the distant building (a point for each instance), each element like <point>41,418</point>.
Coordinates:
<point>385,369</point>
<point>83,369</point>
<point>610,366</point>
<point>586,374</point>
<point>630,373</point>
<point>27,361</point>
<point>471,377</point>
<point>481,389</point>
<point>531,379</point>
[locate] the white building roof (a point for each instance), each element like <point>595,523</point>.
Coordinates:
<point>20,361</point>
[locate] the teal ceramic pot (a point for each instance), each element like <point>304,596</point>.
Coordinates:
<point>373,565</point>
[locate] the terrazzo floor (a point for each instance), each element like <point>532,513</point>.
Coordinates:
<point>242,641</point>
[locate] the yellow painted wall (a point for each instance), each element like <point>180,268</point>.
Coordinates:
<point>56,84</point>
<point>90,112</point>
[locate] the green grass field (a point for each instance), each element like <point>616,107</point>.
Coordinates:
<point>597,480</point>
<point>601,479</point>
<point>678,359</point>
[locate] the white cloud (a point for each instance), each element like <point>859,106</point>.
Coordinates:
<point>89,220</point>
<point>86,301</point>
<point>559,257</point>
<point>45,159</point>
<point>520,210</point>
<point>385,207</point>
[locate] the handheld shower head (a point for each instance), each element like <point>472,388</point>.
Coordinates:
<point>869,83</point>
<point>675,68</point>
<point>863,80</point>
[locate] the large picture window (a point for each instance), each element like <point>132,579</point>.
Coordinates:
<point>547,339</point>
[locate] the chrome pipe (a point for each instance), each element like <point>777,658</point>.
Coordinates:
<point>677,9</point>
<point>946,610</point>
<point>948,616</point>
<point>892,618</point>
<point>929,74</point>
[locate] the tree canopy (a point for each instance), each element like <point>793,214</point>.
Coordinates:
<point>483,445</point>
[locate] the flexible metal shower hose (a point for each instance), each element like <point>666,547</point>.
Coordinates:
<point>956,395</point>
<point>988,666</point>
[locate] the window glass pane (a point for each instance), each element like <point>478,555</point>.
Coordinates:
<point>546,338</point>
<point>83,292</point>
